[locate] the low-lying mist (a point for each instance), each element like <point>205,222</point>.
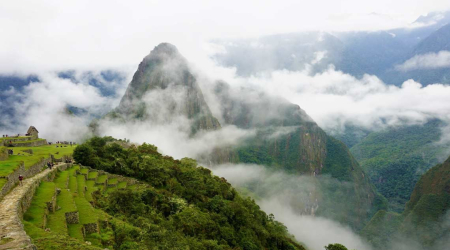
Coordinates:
<point>285,196</point>
<point>292,199</point>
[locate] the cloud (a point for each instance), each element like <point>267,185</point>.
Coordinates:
<point>50,35</point>
<point>426,61</point>
<point>334,99</point>
<point>174,138</point>
<point>287,196</point>
<point>44,104</point>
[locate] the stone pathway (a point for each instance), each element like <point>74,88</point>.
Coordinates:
<point>12,234</point>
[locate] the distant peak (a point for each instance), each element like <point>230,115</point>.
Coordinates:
<point>165,48</point>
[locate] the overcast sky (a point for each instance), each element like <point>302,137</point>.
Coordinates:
<point>54,35</point>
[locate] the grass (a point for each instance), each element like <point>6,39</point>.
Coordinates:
<point>72,198</point>
<point>36,212</point>
<point>75,231</point>
<point>9,166</point>
<point>3,181</point>
<point>53,241</point>
<point>84,171</point>
<point>122,184</point>
<point>102,178</point>
<point>86,211</point>
<point>73,170</point>
<point>61,180</point>
<point>57,221</point>
<point>113,181</point>
<point>90,189</point>
<point>81,182</point>
<point>92,175</point>
<point>73,186</point>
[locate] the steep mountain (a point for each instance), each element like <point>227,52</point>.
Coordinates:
<point>287,138</point>
<point>426,219</point>
<point>355,53</point>
<point>396,157</point>
<point>437,41</point>
<point>164,89</point>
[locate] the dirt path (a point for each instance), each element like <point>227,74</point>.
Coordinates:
<point>12,234</point>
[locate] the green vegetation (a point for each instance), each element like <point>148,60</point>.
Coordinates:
<point>44,194</point>
<point>62,180</point>
<point>90,189</point>
<point>70,236</point>
<point>335,246</point>
<point>57,221</point>
<point>102,179</point>
<point>53,240</point>
<point>112,181</point>
<point>9,166</point>
<point>395,158</point>
<point>122,185</point>
<point>92,175</point>
<point>423,218</point>
<point>185,207</point>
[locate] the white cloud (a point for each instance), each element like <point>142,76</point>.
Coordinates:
<point>82,34</point>
<point>43,104</point>
<point>333,98</point>
<point>426,61</point>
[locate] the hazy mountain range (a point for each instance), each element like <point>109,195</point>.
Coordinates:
<point>377,53</point>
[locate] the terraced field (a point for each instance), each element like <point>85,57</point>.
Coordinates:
<point>62,211</point>
<point>21,155</point>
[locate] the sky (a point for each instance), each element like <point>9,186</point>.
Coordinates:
<point>57,35</point>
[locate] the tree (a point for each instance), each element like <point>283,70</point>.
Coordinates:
<point>84,154</point>
<point>335,246</point>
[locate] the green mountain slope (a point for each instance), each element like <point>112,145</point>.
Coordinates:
<point>184,206</point>
<point>395,158</point>
<point>288,139</point>
<point>426,219</point>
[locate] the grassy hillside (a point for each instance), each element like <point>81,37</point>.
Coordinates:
<point>12,163</point>
<point>51,230</point>
<point>178,205</point>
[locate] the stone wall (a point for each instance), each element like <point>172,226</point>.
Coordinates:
<point>13,179</point>
<point>91,228</point>
<point>30,151</point>
<point>28,144</point>
<point>72,217</point>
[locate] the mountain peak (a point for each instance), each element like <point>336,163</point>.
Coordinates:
<point>164,49</point>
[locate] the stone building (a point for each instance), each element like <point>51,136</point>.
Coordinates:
<point>33,132</point>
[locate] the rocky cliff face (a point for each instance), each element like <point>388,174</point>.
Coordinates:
<point>164,89</point>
